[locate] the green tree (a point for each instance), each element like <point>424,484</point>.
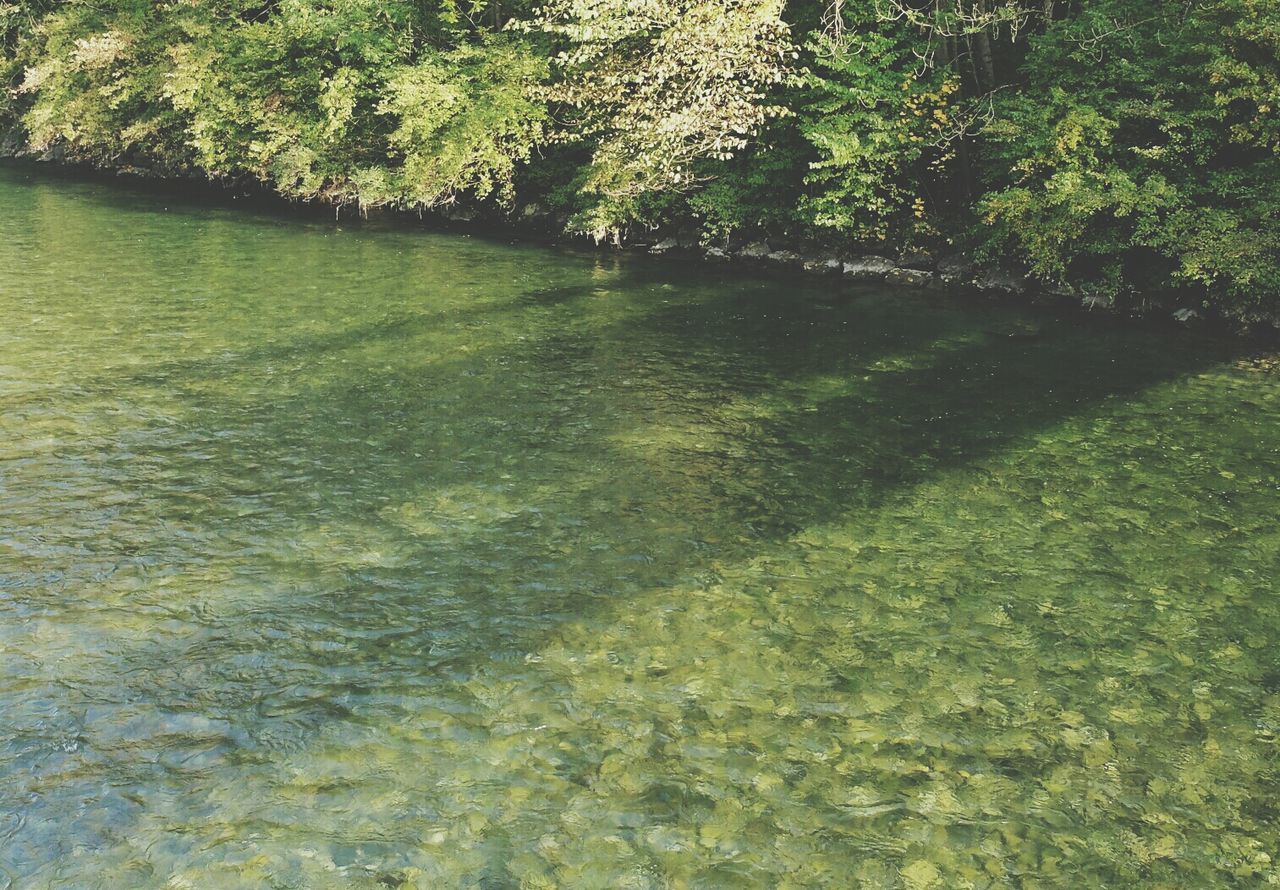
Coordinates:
<point>656,86</point>
<point>1140,157</point>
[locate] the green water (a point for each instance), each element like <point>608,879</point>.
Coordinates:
<point>355,557</point>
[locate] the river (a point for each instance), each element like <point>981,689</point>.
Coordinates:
<point>353,555</point>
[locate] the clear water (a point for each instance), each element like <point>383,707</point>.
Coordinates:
<point>343,556</point>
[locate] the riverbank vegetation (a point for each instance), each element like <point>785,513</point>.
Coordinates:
<point>1125,151</point>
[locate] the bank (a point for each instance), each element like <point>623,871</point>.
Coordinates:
<point>943,269</point>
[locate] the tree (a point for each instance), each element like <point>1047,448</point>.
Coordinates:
<point>657,85</point>
<point>1142,155</point>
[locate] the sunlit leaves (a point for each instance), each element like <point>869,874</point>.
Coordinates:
<point>465,121</point>
<point>659,85</point>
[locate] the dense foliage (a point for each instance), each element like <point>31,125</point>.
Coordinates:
<point>1123,150</point>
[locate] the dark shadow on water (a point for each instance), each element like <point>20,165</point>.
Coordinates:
<point>557,454</point>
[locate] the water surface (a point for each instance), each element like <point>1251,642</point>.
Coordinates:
<point>338,555</point>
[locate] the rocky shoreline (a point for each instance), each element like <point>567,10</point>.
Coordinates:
<point>918,270</point>
<point>952,272</point>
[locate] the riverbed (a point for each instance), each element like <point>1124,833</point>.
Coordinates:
<point>346,555</point>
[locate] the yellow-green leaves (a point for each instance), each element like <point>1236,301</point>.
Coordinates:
<point>465,121</point>
<point>661,84</point>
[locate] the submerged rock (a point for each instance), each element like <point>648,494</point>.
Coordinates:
<point>831,266</point>
<point>785,258</point>
<point>869,268</point>
<point>910,277</point>
<point>1000,281</point>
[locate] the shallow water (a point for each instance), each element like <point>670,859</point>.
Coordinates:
<point>350,556</point>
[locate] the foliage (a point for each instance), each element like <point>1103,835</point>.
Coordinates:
<point>755,191</point>
<point>289,98</point>
<point>1123,149</point>
<point>661,84</point>
<point>882,130</point>
<point>93,76</point>
<point>1142,153</point>
<point>466,121</point>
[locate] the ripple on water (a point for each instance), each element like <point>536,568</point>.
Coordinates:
<point>369,558</point>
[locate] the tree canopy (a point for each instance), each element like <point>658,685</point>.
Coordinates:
<point>1123,150</point>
